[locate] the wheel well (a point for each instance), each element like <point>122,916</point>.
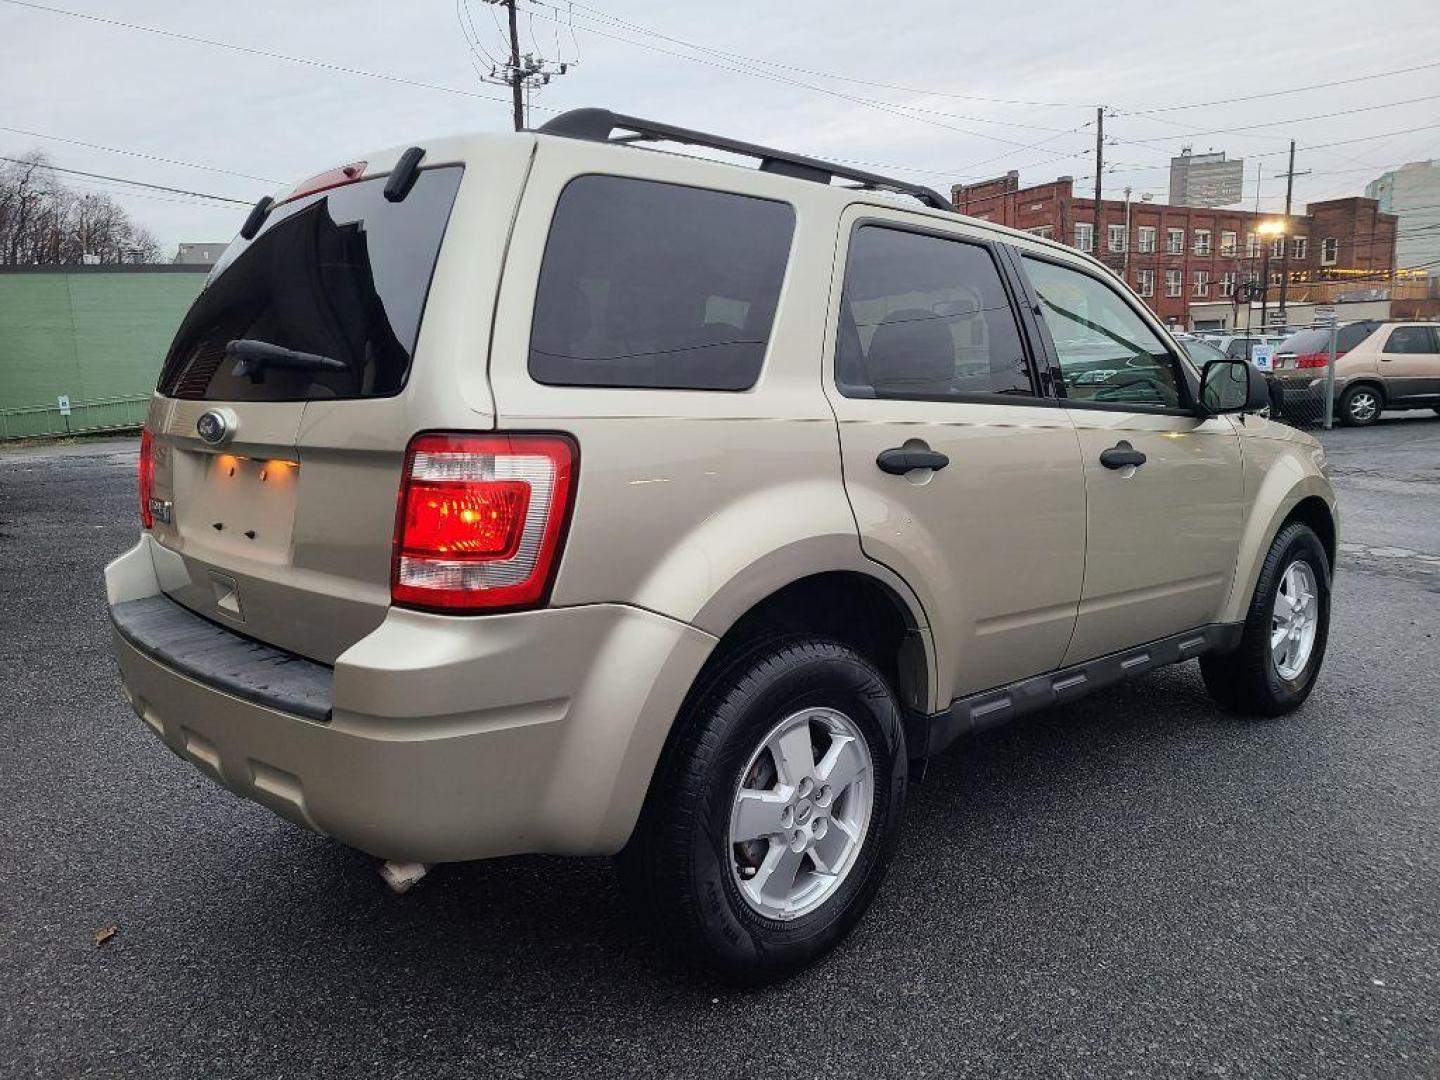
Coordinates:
<point>1313,511</point>
<point>854,609</point>
<point>1371,383</point>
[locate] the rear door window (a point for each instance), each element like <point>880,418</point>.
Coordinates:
<point>1411,339</point>
<point>924,316</point>
<point>653,285</point>
<point>341,275</point>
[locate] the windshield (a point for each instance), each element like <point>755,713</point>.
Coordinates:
<point>341,275</point>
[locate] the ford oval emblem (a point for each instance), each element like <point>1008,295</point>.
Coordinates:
<point>213,426</point>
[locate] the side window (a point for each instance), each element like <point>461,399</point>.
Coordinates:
<point>1411,339</point>
<point>925,317</point>
<point>1107,353</point>
<point>660,286</point>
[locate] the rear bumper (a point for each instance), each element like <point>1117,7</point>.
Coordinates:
<point>448,738</point>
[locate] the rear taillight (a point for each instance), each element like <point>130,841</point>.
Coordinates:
<point>1313,360</point>
<point>147,477</point>
<point>481,520</point>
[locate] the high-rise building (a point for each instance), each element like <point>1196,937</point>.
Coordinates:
<point>1412,193</point>
<point>1206,180</point>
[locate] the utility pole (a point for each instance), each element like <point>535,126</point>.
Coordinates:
<point>516,73</point>
<point>1289,175</point>
<point>521,73</point>
<point>1099,173</point>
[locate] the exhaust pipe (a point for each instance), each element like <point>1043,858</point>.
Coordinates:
<point>400,876</point>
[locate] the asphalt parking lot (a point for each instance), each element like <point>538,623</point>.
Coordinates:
<point>1135,885</point>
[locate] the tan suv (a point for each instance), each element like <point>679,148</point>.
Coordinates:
<point>544,493</point>
<point>1378,366</point>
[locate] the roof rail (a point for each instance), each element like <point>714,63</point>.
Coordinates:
<point>596,125</point>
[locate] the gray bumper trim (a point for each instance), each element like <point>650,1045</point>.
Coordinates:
<point>220,658</point>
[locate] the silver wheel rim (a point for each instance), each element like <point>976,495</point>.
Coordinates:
<point>801,811</point>
<point>1363,405</point>
<point>1294,620</point>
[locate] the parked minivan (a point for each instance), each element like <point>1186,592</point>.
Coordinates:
<point>541,492</point>
<point>1378,366</point>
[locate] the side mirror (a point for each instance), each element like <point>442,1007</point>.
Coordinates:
<point>1231,386</point>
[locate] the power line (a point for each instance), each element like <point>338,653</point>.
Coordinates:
<point>1280,93</point>
<point>904,112</point>
<point>133,183</point>
<point>135,153</point>
<point>1293,120</point>
<point>617,21</point>
<point>252,51</point>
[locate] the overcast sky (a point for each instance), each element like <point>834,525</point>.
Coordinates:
<point>936,120</point>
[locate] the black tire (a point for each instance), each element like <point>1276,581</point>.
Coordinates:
<point>678,865</point>
<point>1246,681</point>
<point>1353,399</point>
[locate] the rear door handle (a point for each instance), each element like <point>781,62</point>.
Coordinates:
<point>1120,455</point>
<point>899,460</point>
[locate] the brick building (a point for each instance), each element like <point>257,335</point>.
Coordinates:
<point>1177,255</point>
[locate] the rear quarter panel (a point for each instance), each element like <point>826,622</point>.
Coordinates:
<point>692,504</point>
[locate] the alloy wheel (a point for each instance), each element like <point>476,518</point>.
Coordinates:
<point>1294,620</point>
<point>801,812</point>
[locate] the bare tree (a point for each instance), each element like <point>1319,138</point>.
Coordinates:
<point>44,223</point>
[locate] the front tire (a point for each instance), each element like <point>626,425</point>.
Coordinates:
<point>1283,643</point>
<point>1360,406</point>
<point>774,814</point>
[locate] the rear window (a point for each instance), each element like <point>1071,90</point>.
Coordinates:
<point>341,275</point>
<point>1317,339</point>
<point>652,285</point>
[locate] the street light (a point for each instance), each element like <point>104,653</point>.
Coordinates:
<point>1269,229</point>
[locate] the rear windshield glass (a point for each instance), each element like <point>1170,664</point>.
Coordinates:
<point>1317,339</point>
<point>340,276</point>
<point>656,285</point>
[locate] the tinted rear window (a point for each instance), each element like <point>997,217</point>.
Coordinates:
<point>342,274</point>
<point>1317,339</point>
<point>656,285</point>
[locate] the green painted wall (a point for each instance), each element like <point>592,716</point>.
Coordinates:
<point>98,337</point>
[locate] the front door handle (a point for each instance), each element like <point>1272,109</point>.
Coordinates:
<point>1120,455</point>
<point>899,460</point>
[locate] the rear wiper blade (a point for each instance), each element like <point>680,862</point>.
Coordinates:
<point>256,356</point>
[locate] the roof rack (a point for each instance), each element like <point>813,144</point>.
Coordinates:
<point>596,125</point>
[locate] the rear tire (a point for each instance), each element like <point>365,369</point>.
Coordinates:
<point>758,740</point>
<point>1360,406</point>
<point>1268,675</point>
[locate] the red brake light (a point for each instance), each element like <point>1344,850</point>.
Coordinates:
<point>147,477</point>
<point>480,520</point>
<point>330,178</point>
<point>1312,360</point>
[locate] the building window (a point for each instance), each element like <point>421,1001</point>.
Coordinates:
<point>1202,283</point>
<point>1045,232</point>
<point>1116,238</point>
<point>1329,251</point>
<point>1227,283</point>
<point>1172,283</point>
<point>1085,236</point>
<point>1202,241</point>
<point>1299,247</point>
<point>1145,282</point>
<point>1277,247</point>
<point>1227,243</point>
<point>1277,277</point>
<point>1145,239</point>
<point>1252,246</point>
<point>1175,241</point>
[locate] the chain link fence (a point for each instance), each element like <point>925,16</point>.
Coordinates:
<point>1298,362</point>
